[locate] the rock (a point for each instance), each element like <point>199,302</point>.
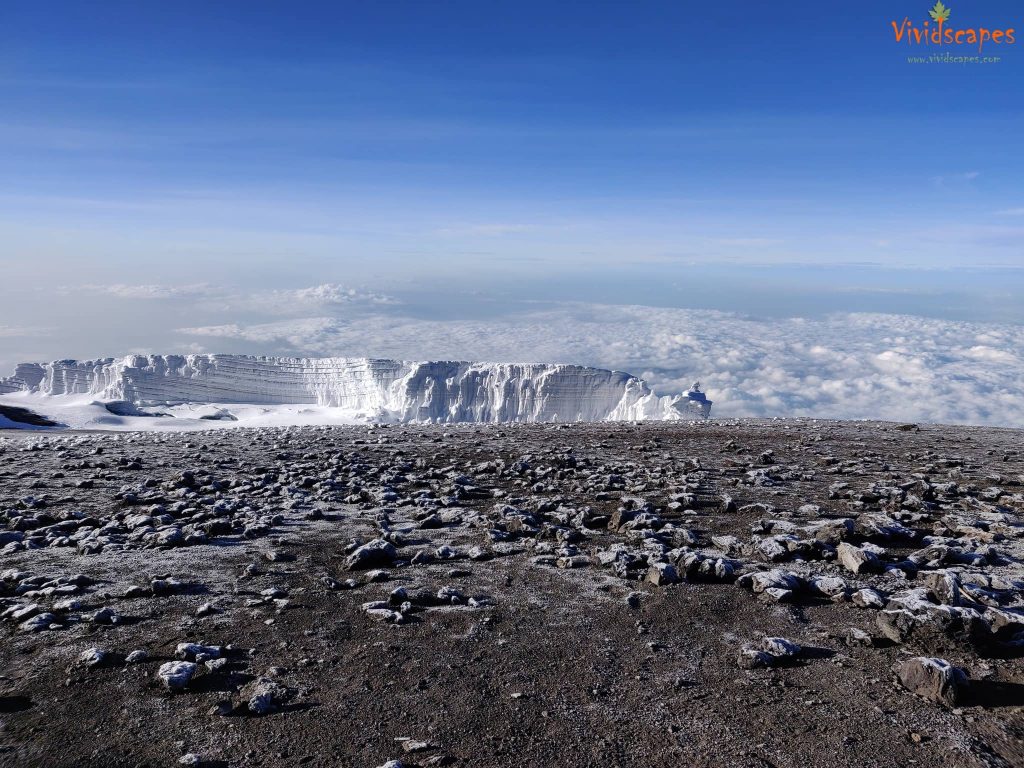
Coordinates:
<point>413,746</point>
<point>169,537</point>
<point>573,561</point>
<point>752,658</point>
<point>93,657</point>
<point>374,553</point>
<point>40,623</point>
<point>828,586</point>
<point>277,556</point>
<point>781,648</point>
<point>451,596</point>
<point>105,616</point>
<point>176,675</point>
<point>190,759</point>
<point>265,696</point>
<point>197,652</point>
<point>909,617</point>
<point>856,637</point>
<point>945,586</point>
<point>934,679</point>
<point>381,611</point>
<point>661,574</point>
<point>776,595</point>
<point>162,587</point>
<point>868,598</point>
<point>774,579</point>
<point>857,560</point>
<point>136,657</point>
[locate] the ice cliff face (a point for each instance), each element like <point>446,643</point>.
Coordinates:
<point>386,390</point>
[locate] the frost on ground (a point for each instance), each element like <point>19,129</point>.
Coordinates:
<point>785,593</point>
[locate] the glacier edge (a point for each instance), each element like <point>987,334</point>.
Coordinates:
<point>377,389</point>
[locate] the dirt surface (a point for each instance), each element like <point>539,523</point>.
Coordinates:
<point>531,595</point>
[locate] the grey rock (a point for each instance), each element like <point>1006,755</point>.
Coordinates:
<point>868,598</point>
<point>857,560</point>
<point>93,657</point>
<point>176,675</point>
<point>195,651</point>
<point>374,553</point>
<point>781,648</point>
<point>934,679</point>
<point>662,574</point>
<point>752,658</point>
<point>264,696</point>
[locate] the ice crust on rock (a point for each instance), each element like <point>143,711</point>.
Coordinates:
<point>380,390</point>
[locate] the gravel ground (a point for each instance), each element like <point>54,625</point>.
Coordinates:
<point>750,593</point>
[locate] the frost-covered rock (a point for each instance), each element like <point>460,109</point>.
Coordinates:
<point>176,675</point>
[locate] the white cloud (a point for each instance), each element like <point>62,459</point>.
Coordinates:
<point>124,291</point>
<point>323,295</point>
<point>15,331</point>
<point>842,366</point>
<point>285,300</point>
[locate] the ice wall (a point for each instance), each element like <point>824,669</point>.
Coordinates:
<point>388,390</point>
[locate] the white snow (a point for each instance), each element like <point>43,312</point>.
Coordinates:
<point>261,391</point>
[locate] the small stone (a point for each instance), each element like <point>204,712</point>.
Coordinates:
<point>781,648</point>
<point>751,658</point>
<point>413,746</point>
<point>136,657</point>
<point>855,636</point>
<point>93,657</point>
<point>265,696</point>
<point>868,598</point>
<point>191,651</point>
<point>105,616</point>
<point>176,675</point>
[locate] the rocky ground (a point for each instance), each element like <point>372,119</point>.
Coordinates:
<point>783,593</point>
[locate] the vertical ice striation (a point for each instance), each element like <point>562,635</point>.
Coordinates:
<point>387,390</point>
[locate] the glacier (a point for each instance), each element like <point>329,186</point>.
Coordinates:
<point>375,390</point>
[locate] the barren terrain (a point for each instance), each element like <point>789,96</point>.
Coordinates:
<point>751,593</point>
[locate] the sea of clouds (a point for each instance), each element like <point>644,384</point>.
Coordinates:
<point>842,365</point>
<point>849,365</point>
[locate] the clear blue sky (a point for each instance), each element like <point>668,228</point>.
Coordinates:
<point>376,139</point>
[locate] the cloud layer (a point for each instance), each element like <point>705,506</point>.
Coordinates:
<point>842,366</point>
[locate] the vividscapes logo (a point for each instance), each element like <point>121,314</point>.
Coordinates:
<point>939,32</point>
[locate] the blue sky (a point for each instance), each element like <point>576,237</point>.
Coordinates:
<point>474,160</point>
<point>491,135</point>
